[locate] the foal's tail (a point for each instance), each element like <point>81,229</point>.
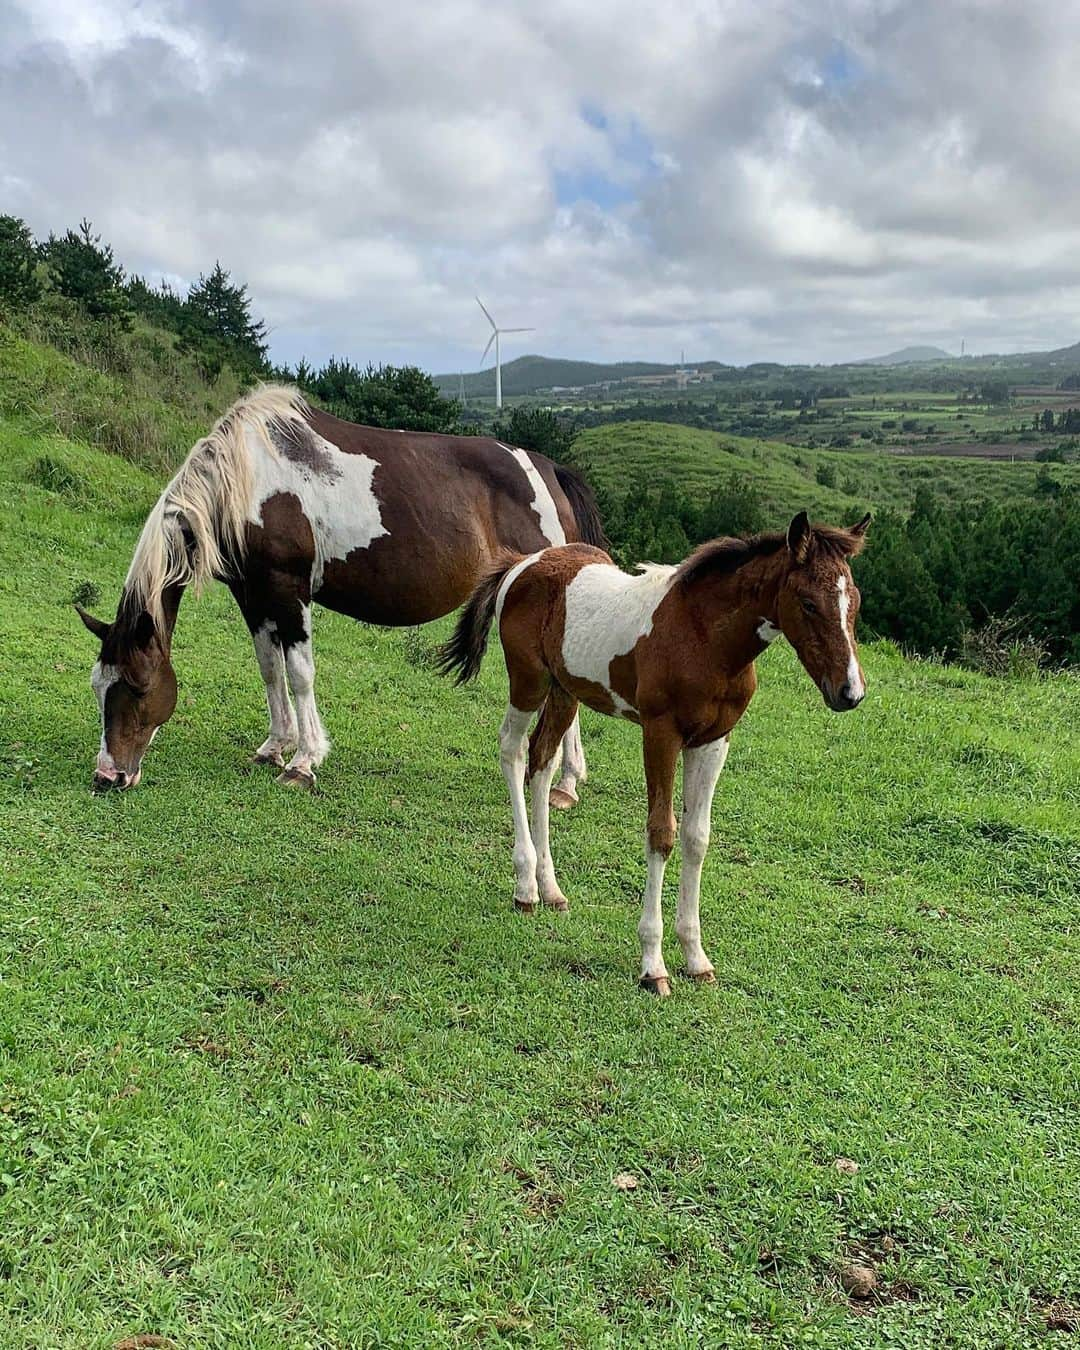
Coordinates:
<point>583,504</point>
<point>468,642</point>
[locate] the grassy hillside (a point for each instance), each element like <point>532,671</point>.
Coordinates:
<point>279,1069</point>
<point>614,455</point>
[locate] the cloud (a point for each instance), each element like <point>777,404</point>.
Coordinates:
<point>783,179</point>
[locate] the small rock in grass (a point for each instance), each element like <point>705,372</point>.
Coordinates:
<point>859,1281</point>
<point>846,1166</point>
<point>625,1181</point>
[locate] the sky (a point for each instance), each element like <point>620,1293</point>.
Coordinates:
<point>742,180</point>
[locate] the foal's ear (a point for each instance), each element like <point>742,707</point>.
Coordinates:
<point>858,534</point>
<point>98,627</point>
<point>798,537</point>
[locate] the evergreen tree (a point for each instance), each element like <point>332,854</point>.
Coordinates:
<point>217,326</point>
<point>84,269</point>
<point>19,285</point>
<point>402,397</point>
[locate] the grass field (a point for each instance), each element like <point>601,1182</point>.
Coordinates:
<point>282,1069</point>
<point>868,479</point>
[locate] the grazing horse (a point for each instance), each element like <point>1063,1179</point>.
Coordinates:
<point>289,505</point>
<point>671,648</point>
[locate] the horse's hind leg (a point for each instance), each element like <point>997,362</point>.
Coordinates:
<point>312,741</point>
<point>559,713</point>
<point>282,737</point>
<point>564,793</point>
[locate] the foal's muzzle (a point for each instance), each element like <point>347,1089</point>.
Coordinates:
<point>842,699</point>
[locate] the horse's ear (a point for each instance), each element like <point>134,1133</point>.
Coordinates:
<point>142,630</point>
<point>98,627</point>
<point>798,537</point>
<point>858,534</point>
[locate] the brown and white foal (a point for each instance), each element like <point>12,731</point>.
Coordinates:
<point>673,649</point>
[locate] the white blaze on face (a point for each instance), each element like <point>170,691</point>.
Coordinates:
<point>606,613</point>
<point>543,503</point>
<point>854,675</point>
<point>102,678</point>
<point>767,631</point>
<point>340,503</point>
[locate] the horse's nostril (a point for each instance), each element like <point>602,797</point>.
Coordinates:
<point>102,783</point>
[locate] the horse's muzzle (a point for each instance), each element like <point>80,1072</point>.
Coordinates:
<point>104,783</point>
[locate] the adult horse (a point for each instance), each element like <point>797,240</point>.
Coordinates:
<point>288,505</point>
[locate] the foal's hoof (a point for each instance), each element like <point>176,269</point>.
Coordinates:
<point>562,800</point>
<point>659,985</point>
<point>297,778</point>
<point>558,903</point>
<point>524,906</point>
<point>270,757</point>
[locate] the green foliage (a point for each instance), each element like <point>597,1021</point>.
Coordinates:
<point>380,396</point>
<point>216,325</point>
<point>539,430</point>
<point>84,270</point>
<point>19,284</point>
<point>995,391</point>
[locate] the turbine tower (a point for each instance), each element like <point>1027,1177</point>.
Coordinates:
<point>496,331</point>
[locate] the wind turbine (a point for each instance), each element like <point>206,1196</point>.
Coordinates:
<point>496,331</point>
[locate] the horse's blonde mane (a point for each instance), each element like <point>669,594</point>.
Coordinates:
<point>197,524</point>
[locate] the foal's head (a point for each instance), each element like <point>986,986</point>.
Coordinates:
<point>135,686</point>
<point>817,606</point>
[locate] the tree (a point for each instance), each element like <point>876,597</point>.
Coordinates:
<point>19,285</point>
<point>539,430</point>
<point>217,327</point>
<point>402,397</point>
<point>84,269</point>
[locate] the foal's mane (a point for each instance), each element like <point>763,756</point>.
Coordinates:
<point>720,557</point>
<point>196,528</point>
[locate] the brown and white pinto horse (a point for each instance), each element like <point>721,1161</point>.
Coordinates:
<point>289,505</point>
<point>673,649</point>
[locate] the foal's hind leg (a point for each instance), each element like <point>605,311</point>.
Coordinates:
<point>559,712</point>
<point>513,756</point>
<point>564,793</point>
<point>701,769</point>
<point>282,737</point>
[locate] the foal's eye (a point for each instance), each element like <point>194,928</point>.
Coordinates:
<point>809,607</point>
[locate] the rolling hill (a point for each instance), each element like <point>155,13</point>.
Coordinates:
<point>905,356</point>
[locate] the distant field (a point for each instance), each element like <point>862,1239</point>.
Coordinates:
<point>286,1070</point>
<point>616,454</point>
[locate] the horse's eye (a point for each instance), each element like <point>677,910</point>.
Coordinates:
<point>809,607</point>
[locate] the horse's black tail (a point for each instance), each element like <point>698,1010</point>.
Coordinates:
<point>583,504</point>
<point>465,649</point>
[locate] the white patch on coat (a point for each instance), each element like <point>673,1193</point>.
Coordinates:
<point>543,503</point>
<point>102,678</point>
<point>508,581</point>
<point>607,612</point>
<point>767,631</point>
<point>854,677</point>
<point>341,506</point>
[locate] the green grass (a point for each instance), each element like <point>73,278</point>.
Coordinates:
<point>867,479</point>
<point>282,1069</point>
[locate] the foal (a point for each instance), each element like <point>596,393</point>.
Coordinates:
<point>672,649</point>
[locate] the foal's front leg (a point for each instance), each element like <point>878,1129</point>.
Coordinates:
<point>661,746</point>
<point>701,769</point>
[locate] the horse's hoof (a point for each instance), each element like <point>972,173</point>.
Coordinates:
<point>524,906</point>
<point>659,985</point>
<point>558,903</point>
<point>562,800</point>
<point>702,976</point>
<point>273,758</point>
<point>297,778</point>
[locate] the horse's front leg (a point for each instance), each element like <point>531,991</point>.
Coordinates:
<point>312,741</point>
<point>701,769</point>
<point>662,744</point>
<point>282,737</point>
<point>564,793</point>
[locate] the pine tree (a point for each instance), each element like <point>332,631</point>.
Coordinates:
<point>84,269</point>
<point>19,285</point>
<point>217,326</point>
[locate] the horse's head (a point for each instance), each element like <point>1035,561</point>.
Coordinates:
<point>135,686</point>
<point>817,606</point>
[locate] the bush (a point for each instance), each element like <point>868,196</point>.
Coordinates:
<point>1003,646</point>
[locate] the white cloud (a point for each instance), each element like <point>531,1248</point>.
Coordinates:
<point>783,179</point>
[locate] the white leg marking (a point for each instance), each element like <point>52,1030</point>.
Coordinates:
<point>854,674</point>
<point>513,756</point>
<point>651,928</point>
<point>543,503</point>
<point>573,761</point>
<point>701,769</point>
<point>283,729</point>
<point>540,785</point>
<point>313,744</point>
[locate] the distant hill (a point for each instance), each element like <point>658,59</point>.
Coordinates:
<point>527,374</point>
<point>905,356</point>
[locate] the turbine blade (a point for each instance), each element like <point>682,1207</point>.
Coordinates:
<point>486,314</point>
<point>517,330</point>
<point>491,339</point>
